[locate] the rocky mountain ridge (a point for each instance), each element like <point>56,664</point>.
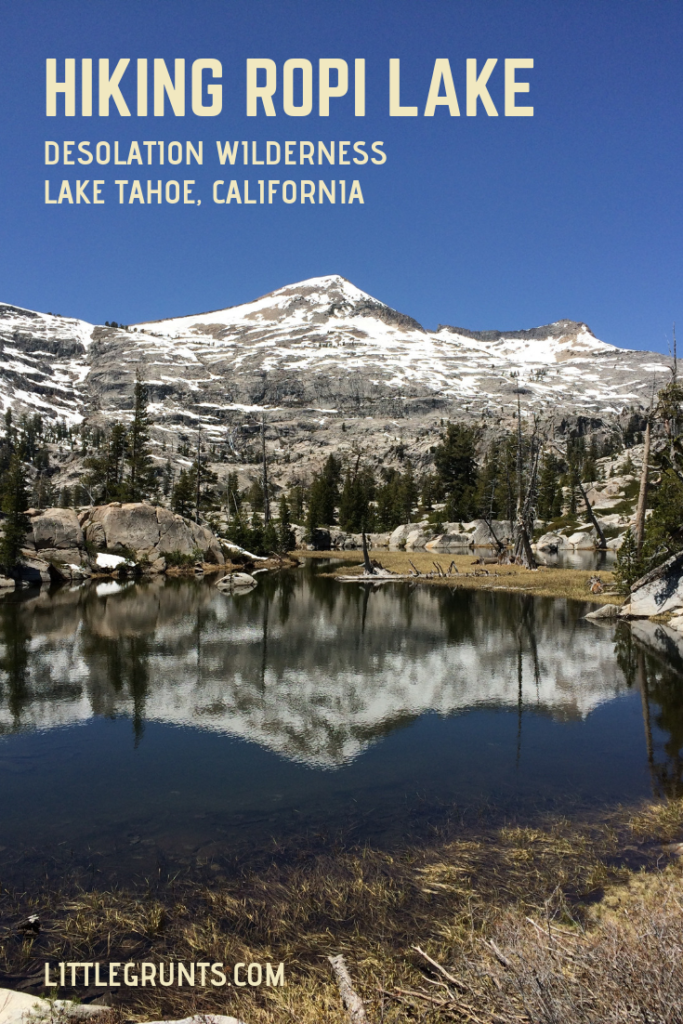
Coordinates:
<point>329,367</point>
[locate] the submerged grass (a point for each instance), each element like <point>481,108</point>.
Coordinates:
<point>563,921</point>
<point>546,581</point>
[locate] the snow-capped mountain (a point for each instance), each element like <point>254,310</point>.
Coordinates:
<point>315,355</point>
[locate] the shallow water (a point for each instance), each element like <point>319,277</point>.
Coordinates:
<point>164,725</point>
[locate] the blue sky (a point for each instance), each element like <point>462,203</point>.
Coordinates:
<point>479,222</point>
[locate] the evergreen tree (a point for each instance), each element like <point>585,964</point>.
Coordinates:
<point>324,496</point>
<point>184,494</point>
<point>238,530</point>
<point>396,498</point>
<point>456,466</point>
<point>256,535</point>
<point>629,565</point>
<point>285,534</point>
<point>557,503</point>
<point>254,495</point>
<point>14,504</point>
<point>105,470</point>
<point>548,488</point>
<point>207,481</point>
<point>139,481</point>
<point>270,538</point>
<point>355,511</point>
<point>297,502</point>
<point>167,479</point>
<point>430,491</point>
<point>407,494</point>
<point>664,528</point>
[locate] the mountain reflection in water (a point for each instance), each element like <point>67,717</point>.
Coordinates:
<point>332,680</point>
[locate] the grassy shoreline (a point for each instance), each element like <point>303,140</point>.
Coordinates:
<point>546,581</point>
<point>587,884</point>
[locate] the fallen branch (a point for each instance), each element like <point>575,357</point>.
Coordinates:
<point>500,956</point>
<point>440,969</point>
<point>352,1001</point>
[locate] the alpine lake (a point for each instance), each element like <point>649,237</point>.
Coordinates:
<point>164,727</point>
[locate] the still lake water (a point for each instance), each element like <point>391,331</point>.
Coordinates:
<point>166,726</point>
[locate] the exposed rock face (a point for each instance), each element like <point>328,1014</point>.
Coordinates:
<point>658,591</point>
<point>482,538</point>
<point>331,366</point>
<point>59,535</point>
<point>149,531</point>
<point>34,571</point>
<point>56,535</point>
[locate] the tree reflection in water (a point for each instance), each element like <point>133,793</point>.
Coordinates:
<point>659,678</point>
<point>15,637</point>
<point>317,671</point>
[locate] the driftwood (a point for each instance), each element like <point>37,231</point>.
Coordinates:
<point>380,575</point>
<point>352,1001</point>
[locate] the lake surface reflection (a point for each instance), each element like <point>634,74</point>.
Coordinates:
<point>165,724</point>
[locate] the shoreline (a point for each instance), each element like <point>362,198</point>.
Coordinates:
<point>475,888</point>
<point>546,581</point>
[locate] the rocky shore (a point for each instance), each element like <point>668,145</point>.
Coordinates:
<point>130,539</point>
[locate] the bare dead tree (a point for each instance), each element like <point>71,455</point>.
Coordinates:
<point>266,499</point>
<point>368,567</point>
<point>642,493</point>
<point>602,543</point>
<point>199,472</point>
<point>524,526</point>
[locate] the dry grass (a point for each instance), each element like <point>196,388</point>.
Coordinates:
<point>545,581</point>
<point>577,934</point>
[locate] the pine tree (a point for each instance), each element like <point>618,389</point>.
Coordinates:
<point>629,565</point>
<point>14,504</point>
<point>270,538</point>
<point>355,511</point>
<point>456,466</point>
<point>407,494</point>
<point>285,534</point>
<point>238,531</point>
<point>254,496</point>
<point>664,528</point>
<point>548,486</point>
<point>168,478</point>
<point>183,494</point>
<point>104,476</point>
<point>139,481</point>
<point>324,496</point>
<point>256,535</point>
<point>205,487</point>
<point>297,502</point>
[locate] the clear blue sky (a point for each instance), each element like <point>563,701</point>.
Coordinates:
<point>479,222</point>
